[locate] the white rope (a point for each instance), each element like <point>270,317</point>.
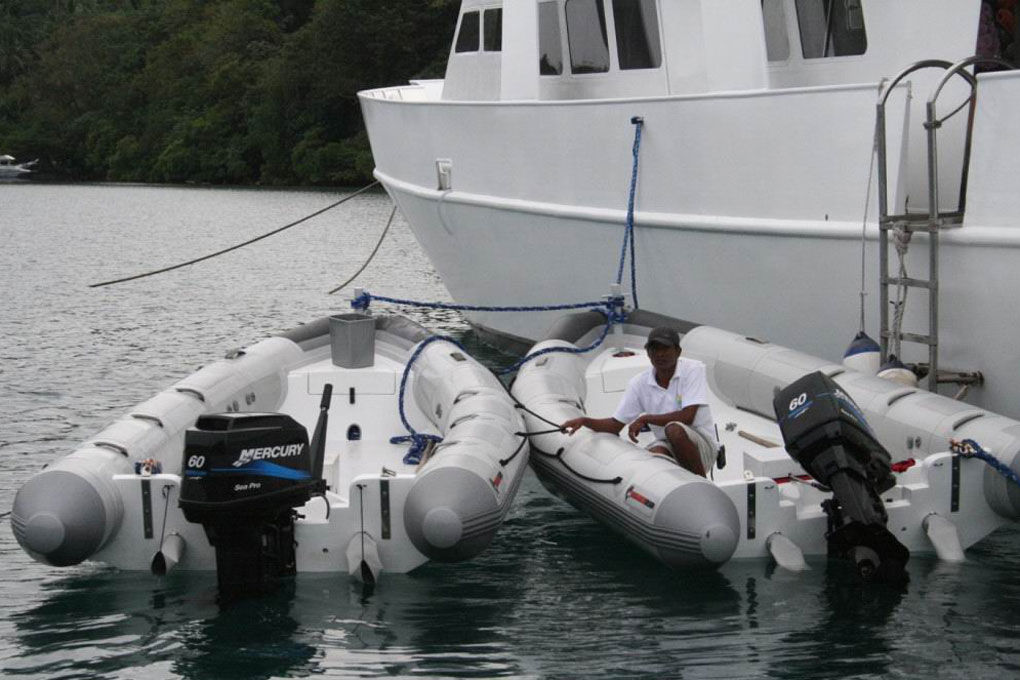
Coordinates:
<point>864,220</point>
<point>902,243</point>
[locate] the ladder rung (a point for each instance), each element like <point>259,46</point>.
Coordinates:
<point>913,337</point>
<point>911,225</point>
<point>914,283</point>
<point>948,216</point>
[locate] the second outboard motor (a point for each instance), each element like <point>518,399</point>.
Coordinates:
<point>244,473</point>
<point>826,433</point>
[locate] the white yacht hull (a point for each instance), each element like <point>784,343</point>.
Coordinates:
<point>749,212</point>
<point>789,288</point>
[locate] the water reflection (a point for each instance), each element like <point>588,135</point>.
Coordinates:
<point>439,624</point>
<point>846,634</point>
<point>556,596</point>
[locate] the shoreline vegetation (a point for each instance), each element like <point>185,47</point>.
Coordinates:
<point>231,92</point>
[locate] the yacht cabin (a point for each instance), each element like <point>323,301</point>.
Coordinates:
<point>597,49</point>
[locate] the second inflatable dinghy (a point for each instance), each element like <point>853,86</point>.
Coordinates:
<point>875,475</point>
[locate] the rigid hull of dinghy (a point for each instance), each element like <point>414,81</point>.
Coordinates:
<point>941,502</point>
<point>380,510</point>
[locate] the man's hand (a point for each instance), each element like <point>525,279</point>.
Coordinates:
<point>636,427</point>
<point>573,425</point>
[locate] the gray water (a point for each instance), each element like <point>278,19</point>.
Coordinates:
<point>554,597</point>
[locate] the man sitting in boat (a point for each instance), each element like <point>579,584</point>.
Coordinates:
<point>671,398</point>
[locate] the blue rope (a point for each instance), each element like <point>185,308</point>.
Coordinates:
<point>613,309</point>
<point>628,233</point>
<point>970,448</point>
<point>419,442</point>
<point>364,300</point>
<point>614,315</point>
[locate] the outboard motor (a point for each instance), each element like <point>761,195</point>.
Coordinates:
<point>826,433</point>
<point>244,473</point>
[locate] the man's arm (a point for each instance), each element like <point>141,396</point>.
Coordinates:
<point>685,416</point>
<point>610,425</point>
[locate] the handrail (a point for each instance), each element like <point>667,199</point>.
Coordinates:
<point>916,66</point>
<point>880,128</point>
<point>958,67</point>
<point>933,123</point>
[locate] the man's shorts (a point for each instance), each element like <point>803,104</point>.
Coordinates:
<point>706,449</point>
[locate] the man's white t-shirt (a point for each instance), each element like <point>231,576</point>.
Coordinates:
<point>687,387</point>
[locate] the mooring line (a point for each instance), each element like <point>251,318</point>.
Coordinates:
<point>239,245</point>
<point>371,257</point>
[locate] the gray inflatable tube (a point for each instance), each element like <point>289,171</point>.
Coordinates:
<point>680,518</point>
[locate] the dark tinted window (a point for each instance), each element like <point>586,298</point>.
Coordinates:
<point>550,48</point>
<point>586,35</point>
<point>637,34</point>
<point>777,42</point>
<point>493,34</point>
<point>467,39</point>
<point>831,28</point>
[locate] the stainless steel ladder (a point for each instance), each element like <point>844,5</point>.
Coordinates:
<point>933,222</point>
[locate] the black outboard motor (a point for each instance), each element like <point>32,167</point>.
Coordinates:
<point>244,473</point>
<point>827,434</point>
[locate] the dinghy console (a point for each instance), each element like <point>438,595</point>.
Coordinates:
<point>825,432</point>
<point>244,473</point>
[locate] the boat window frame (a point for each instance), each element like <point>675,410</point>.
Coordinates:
<point>487,29</point>
<point>654,47</point>
<point>604,21</point>
<point>829,19</point>
<point>780,24</point>
<point>557,8</point>
<point>476,14</point>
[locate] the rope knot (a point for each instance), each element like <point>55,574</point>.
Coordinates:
<point>614,309</point>
<point>902,239</point>
<point>419,442</point>
<point>362,302</point>
<point>965,447</point>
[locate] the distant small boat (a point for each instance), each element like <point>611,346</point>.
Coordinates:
<point>10,168</point>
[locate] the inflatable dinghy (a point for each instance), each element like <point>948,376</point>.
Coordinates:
<point>874,477</point>
<point>218,473</point>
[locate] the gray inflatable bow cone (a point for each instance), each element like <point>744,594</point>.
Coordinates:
<point>451,514</point>
<point>59,518</point>
<point>704,523</point>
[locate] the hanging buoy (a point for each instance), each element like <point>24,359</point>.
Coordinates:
<point>896,371</point>
<point>863,355</point>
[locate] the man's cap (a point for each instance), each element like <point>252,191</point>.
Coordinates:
<point>663,335</point>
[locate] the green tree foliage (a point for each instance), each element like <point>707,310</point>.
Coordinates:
<point>212,91</point>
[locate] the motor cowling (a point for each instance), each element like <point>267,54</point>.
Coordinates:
<point>244,473</point>
<point>826,433</point>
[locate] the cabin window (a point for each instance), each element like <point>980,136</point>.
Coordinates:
<point>550,62</point>
<point>777,40</point>
<point>831,28</point>
<point>637,34</point>
<point>587,36</point>
<point>493,34</point>
<point>470,32</point>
